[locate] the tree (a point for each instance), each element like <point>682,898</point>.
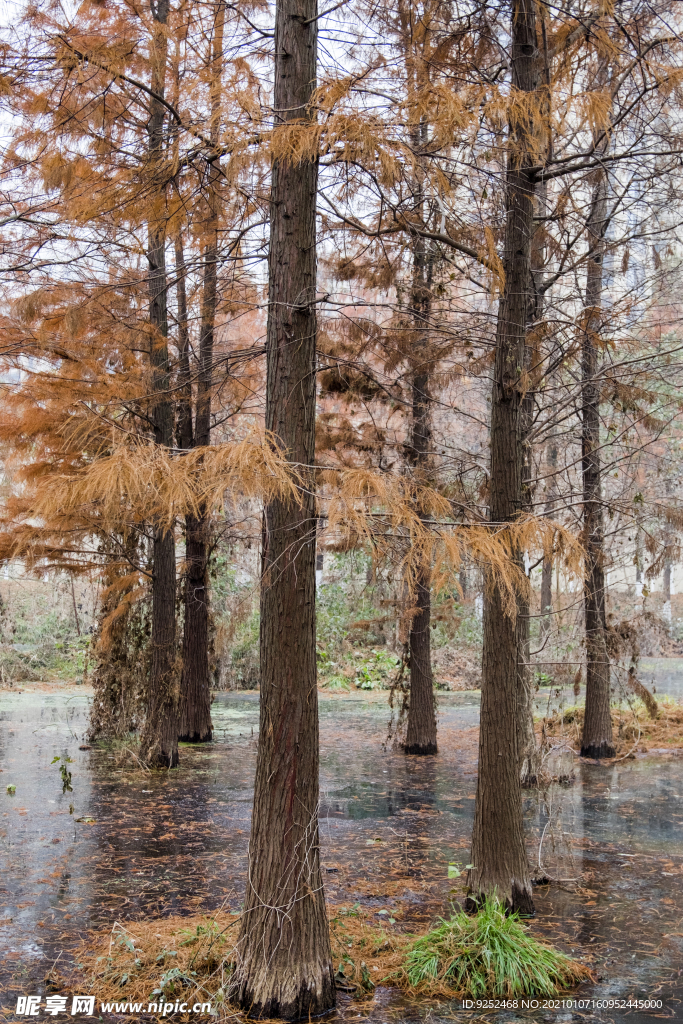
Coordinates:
<point>112,142</point>
<point>195,691</point>
<point>498,850</point>
<point>421,725</point>
<point>596,740</point>
<point>284,967</point>
<point>159,739</point>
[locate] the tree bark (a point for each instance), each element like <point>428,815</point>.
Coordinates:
<point>666,573</point>
<point>529,755</point>
<point>421,731</point>
<point>498,850</point>
<point>184,411</point>
<point>159,740</point>
<point>421,735</point>
<point>547,572</point>
<point>284,965</point>
<point>596,740</point>
<point>421,728</point>
<point>195,687</point>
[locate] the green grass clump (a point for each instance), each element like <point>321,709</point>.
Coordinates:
<point>490,953</point>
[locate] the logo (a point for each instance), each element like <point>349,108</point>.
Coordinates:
<point>29,1006</point>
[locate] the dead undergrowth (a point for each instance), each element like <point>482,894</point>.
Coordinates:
<point>189,958</point>
<point>159,960</point>
<point>635,728</point>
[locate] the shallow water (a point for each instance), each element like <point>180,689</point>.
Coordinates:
<point>176,842</point>
<point>664,674</point>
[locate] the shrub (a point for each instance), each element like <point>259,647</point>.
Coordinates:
<point>490,953</point>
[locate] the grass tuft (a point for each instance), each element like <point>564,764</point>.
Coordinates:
<point>489,954</point>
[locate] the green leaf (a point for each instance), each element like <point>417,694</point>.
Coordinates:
<point>453,871</point>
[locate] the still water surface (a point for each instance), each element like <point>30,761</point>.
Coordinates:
<point>177,842</point>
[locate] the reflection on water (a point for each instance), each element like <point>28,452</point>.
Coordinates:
<point>176,843</point>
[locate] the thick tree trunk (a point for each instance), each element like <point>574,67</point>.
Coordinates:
<point>159,740</point>
<point>284,965</point>
<point>597,727</point>
<point>498,850</point>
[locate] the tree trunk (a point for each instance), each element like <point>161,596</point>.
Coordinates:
<point>666,574</point>
<point>284,965</point>
<point>195,685</point>
<point>529,754</point>
<point>421,729</point>
<point>498,850</point>
<point>159,740</point>
<point>463,580</point>
<point>195,700</point>
<point>184,409</point>
<point>547,573</point>
<point>597,726</point>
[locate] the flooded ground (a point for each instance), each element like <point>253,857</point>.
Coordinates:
<point>611,841</point>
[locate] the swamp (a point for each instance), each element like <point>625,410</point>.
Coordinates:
<point>341,506</point>
<point>141,847</point>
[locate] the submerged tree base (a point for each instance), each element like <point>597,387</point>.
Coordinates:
<point>520,901</point>
<point>421,749</point>
<point>637,728</point>
<point>196,738</point>
<point>162,761</point>
<point>310,997</point>
<point>598,751</point>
